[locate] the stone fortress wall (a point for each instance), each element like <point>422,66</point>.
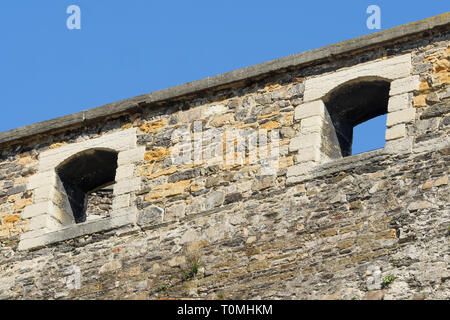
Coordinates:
<point>319,224</point>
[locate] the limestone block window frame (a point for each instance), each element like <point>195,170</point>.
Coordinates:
<point>78,180</point>
<point>313,143</point>
<point>51,217</point>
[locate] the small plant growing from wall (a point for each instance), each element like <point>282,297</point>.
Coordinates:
<point>387,280</point>
<point>192,272</point>
<point>192,264</point>
<point>162,288</point>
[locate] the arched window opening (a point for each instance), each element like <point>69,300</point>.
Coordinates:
<point>349,106</point>
<point>87,179</point>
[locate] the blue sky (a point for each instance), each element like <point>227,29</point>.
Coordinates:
<point>127,48</point>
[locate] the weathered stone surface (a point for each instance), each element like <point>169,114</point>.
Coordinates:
<point>168,190</point>
<point>414,206</point>
<point>296,90</point>
<point>149,216</point>
<point>263,182</point>
<point>16,190</point>
<point>441,181</point>
<point>233,197</point>
<point>263,99</point>
<point>155,154</point>
<point>432,98</point>
<point>436,111</point>
<point>176,211</point>
<point>153,126</point>
<point>185,175</point>
<point>214,199</point>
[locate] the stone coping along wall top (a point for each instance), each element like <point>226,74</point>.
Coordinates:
<point>295,60</point>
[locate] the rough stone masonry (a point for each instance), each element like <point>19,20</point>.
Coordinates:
<point>92,205</point>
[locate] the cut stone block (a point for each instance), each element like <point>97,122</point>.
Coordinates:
<point>44,221</point>
<point>404,85</point>
<point>308,154</point>
<point>396,132</point>
<point>125,172</point>
<point>305,141</point>
<point>37,209</point>
<point>399,146</point>
<point>131,156</point>
<point>306,110</point>
<point>402,116</point>
<point>399,102</point>
<point>126,186</point>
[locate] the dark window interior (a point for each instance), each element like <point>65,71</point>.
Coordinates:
<point>84,174</point>
<point>349,106</point>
